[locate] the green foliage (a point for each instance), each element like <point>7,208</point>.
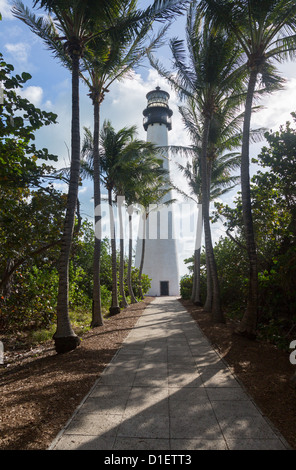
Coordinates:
<point>30,226</point>
<point>32,300</point>
<point>19,121</point>
<point>78,295</point>
<point>106,297</point>
<point>274,214</point>
<point>146,283</point>
<point>186,286</point>
<point>30,303</point>
<point>31,213</point>
<point>232,270</point>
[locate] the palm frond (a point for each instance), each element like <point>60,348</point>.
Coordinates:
<point>43,26</point>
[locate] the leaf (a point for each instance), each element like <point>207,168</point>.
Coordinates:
<point>26,76</point>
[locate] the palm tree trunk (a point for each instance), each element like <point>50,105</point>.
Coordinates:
<point>123,302</point>
<point>193,290</point>
<point>248,323</point>
<point>130,257</point>
<point>195,297</point>
<point>216,311</point>
<point>97,317</point>
<point>196,294</point>
<point>114,309</point>
<point>144,215</point>
<point>209,297</point>
<point>64,337</point>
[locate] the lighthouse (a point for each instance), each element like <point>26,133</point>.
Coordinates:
<point>161,257</point>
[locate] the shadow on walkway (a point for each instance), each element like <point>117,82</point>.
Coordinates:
<point>167,389</point>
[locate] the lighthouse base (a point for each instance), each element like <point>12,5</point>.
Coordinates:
<point>161,266</point>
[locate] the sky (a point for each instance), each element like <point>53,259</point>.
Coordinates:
<point>50,89</point>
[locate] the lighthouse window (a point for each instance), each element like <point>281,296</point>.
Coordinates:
<point>158,102</point>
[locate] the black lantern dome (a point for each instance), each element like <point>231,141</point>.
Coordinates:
<point>157,110</point>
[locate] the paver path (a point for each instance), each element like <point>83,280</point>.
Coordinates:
<point>167,389</point>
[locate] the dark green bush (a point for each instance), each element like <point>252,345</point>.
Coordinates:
<point>186,286</point>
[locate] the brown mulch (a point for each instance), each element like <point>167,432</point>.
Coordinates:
<point>264,370</point>
<point>40,389</point>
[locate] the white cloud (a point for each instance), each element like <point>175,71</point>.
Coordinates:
<point>5,10</point>
<point>277,108</point>
<point>63,187</point>
<point>34,94</point>
<point>49,106</point>
<point>83,190</point>
<point>20,51</point>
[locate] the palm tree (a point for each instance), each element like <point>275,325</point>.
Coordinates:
<point>69,27</point>
<point>72,25</point>
<point>87,171</point>
<point>135,169</point>
<point>125,162</point>
<point>213,75</point>
<point>120,205</point>
<point>106,63</point>
<point>266,31</point>
<point>221,182</point>
<point>225,135</point>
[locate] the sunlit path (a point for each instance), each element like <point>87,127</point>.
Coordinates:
<point>167,389</point>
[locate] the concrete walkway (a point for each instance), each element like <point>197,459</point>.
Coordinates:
<point>167,389</point>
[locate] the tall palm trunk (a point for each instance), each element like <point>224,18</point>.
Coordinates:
<point>130,257</point>
<point>216,311</point>
<point>64,337</point>
<point>144,216</point>
<point>195,296</point>
<point>209,298</point>
<point>97,317</point>
<point>196,292</point>
<point>114,309</point>
<point>249,321</point>
<point>123,302</point>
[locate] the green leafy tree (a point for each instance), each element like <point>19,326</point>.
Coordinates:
<point>25,200</point>
<point>20,159</point>
<point>30,225</point>
<point>265,29</point>
<point>273,209</point>
<point>280,178</point>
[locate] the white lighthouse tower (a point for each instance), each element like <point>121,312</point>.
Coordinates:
<point>161,259</point>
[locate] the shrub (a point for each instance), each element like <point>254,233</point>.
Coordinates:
<point>186,286</point>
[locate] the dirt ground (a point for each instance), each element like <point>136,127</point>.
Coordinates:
<point>40,390</point>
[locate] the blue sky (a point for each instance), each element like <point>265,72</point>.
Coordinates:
<point>50,89</point>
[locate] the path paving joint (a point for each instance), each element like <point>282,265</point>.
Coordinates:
<point>167,389</point>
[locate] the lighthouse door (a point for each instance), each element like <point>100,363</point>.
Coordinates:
<point>164,288</point>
